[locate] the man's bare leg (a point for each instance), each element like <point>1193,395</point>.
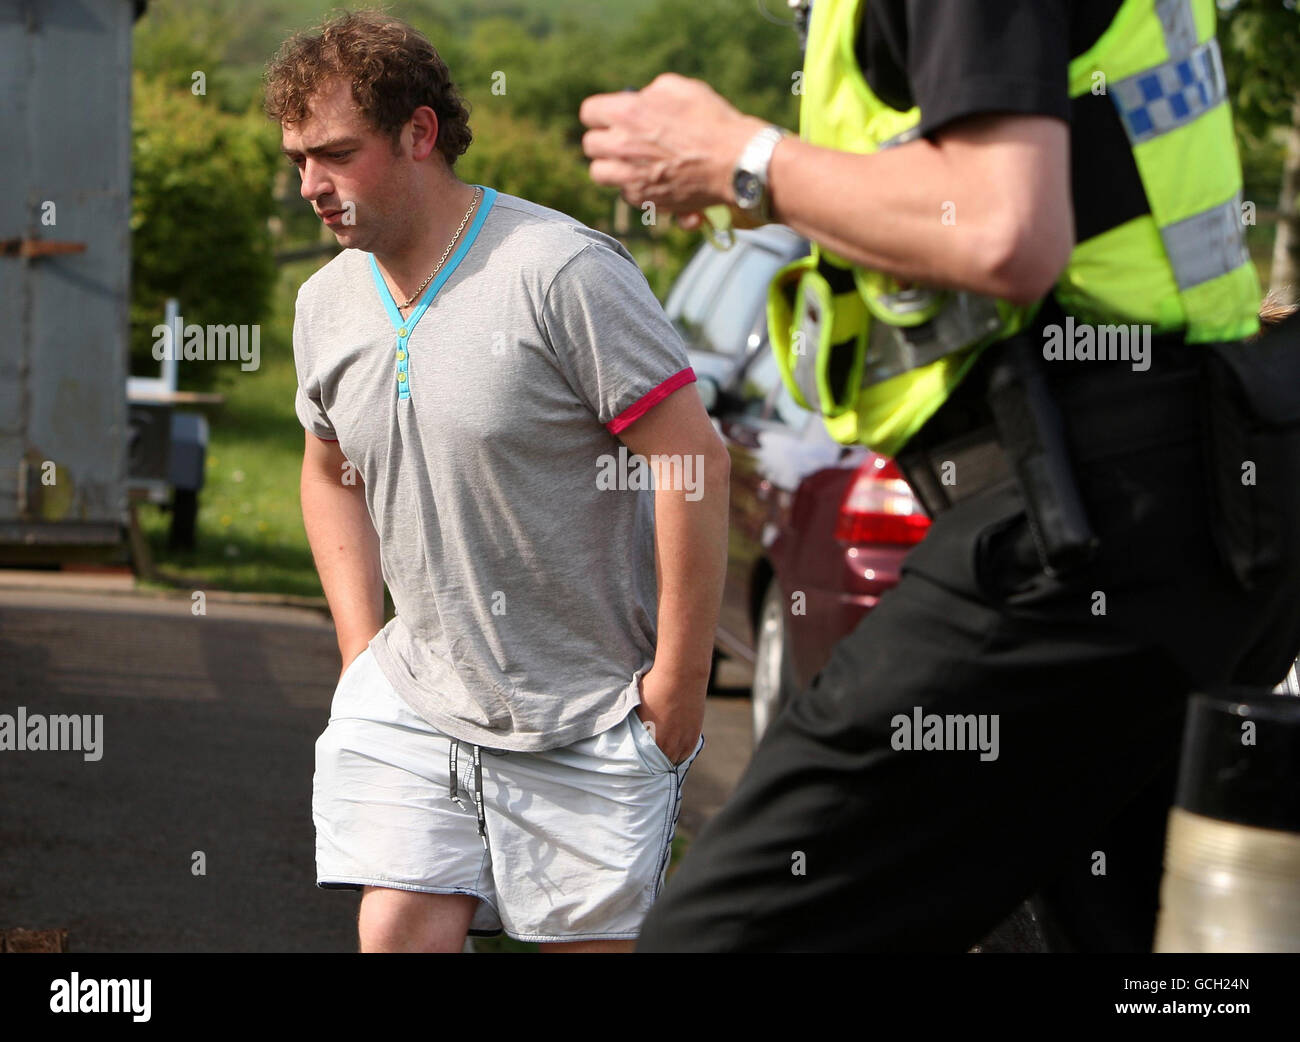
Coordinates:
<point>588,946</point>
<point>410,921</point>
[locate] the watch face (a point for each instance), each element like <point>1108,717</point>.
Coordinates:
<point>748,188</point>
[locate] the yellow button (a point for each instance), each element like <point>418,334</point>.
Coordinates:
<point>401,356</point>
<point>401,378</point>
<point>402,331</point>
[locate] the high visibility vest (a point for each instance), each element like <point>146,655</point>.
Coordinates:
<point>877,359</point>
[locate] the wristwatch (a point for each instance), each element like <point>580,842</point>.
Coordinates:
<point>749,177</point>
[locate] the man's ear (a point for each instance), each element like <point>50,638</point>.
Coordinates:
<point>424,132</point>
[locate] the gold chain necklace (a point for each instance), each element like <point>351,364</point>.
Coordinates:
<point>463,221</point>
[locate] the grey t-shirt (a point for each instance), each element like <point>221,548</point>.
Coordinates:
<point>525,593</point>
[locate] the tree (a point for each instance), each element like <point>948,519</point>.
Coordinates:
<point>200,200</point>
<point>739,51</point>
<point>513,154</point>
<point>1261,52</point>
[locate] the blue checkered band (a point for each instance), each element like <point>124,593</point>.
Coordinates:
<point>1168,96</point>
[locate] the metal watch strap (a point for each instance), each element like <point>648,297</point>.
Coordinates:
<point>755,159</point>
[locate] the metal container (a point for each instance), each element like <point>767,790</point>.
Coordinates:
<point>1232,851</point>
<point>65,168</point>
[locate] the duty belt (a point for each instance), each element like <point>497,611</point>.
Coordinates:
<point>961,438</point>
<point>995,429</point>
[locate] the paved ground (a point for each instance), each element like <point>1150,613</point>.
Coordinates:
<point>209,725</point>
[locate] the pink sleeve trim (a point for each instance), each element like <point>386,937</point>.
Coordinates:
<point>649,400</point>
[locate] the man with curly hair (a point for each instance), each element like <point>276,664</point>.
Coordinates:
<point>468,369</point>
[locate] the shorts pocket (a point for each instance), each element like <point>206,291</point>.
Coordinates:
<point>647,748</point>
<point>346,682</point>
<point>684,766</point>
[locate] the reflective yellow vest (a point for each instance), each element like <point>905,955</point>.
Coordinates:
<point>877,360</point>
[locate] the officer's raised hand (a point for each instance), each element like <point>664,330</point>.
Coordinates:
<point>673,143</point>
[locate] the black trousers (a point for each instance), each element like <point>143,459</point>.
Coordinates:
<point>835,840</point>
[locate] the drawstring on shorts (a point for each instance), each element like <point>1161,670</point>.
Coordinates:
<point>478,786</point>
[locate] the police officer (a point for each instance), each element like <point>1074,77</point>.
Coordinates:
<point>1027,277</point>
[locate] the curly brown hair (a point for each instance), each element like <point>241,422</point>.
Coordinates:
<point>393,70</point>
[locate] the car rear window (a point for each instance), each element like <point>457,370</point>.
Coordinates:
<point>695,288</point>
<point>737,304</point>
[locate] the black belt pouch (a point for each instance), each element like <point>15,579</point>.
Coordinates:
<point>1252,448</point>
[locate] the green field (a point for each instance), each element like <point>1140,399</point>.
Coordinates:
<point>250,534</point>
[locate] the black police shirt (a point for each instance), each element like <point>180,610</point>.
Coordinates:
<point>957,58</point>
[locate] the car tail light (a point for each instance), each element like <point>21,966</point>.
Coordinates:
<point>879,507</point>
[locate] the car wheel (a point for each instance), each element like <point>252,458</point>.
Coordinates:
<point>774,681</point>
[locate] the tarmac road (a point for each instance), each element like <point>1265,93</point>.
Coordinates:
<point>209,723</point>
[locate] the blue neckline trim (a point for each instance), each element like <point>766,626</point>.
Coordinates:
<point>404,328</point>
<point>453,262</point>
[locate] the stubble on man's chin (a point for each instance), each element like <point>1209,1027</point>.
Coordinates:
<point>354,239</point>
<point>370,239</point>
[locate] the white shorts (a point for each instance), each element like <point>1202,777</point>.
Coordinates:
<point>577,838</point>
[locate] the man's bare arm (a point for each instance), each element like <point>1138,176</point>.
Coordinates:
<point>343,543</point>
<point>985,206</point>
<point>690,558</point>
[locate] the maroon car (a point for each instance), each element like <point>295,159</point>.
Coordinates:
<point>818,529</point>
